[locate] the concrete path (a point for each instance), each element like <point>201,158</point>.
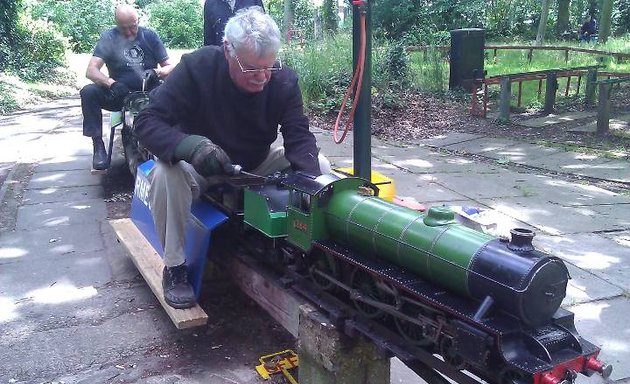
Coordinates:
<point>73,308</point>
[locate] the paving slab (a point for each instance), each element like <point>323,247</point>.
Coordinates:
<point>61,194</point>
<point>67,277</point>
<point>62,144</point>
<point>65,163</point>
<point>555,219</point>
<point>330,149</point>
<point>541,122</point>
<point>563,192</point>
<point>418,160</point>
<point>482,146</point>
<point>399,149</point>
<point>618,123</point>
<point>64,213</point>
<point>447,139</point>
<point>583,164</point>
<point>50,242</point>
<point>491,185</point>
<point>586,287</point>
<point>594,253</point>
<point>63,179</point>
<point>521,153</point>
<point>622,238</point>
<point>605,323</point>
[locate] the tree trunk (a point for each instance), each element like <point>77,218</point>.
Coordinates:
<point>288,17</point>
<point>542,24</point>
<point>604,21</point>
<point>562,24</point>
<point>329,16</point>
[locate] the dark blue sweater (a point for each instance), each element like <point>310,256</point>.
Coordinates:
<point>200,98</point>
<point>216,14</point>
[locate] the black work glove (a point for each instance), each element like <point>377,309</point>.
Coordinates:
<point>207,158</point>
<point>119,90</point>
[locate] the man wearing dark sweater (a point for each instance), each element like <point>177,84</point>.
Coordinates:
<point>221,106</point>
<point>216,13</point>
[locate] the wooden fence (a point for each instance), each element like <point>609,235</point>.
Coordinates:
<point>619,56</point>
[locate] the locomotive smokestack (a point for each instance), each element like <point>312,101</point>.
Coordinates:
<point>521,240</point>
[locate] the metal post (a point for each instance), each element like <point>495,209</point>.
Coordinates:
<point>591,78</point>
<point>603,108</point>
<point>362,118</point>
<point>551,86</point>
<point>506,96</point>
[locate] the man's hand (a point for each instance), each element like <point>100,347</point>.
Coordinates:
<point>207,158</point>
<point>119,90</point>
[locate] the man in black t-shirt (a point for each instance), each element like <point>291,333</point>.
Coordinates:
<point>127,50</point>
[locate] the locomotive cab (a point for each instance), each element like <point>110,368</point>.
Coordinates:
<point>308,197</point>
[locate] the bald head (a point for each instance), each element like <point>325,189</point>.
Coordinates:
<point>127,20</point>
<point>125,12</point>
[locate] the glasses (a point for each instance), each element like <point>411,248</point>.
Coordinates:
<point>276,66</point>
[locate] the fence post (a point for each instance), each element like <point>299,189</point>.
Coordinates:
<point>504,103</point>
<point>551,86</point>
<point>591,78</point>
<point>603,108</point>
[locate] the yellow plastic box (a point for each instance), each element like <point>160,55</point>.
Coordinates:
<point>386,185</point>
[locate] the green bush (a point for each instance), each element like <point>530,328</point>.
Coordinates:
<point>7,100</point>
<point>81,21</point>
<point>325,71</point>
<point>179,24</point>
<point>41,49</point>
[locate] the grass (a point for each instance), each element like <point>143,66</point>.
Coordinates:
<point>431,70</point>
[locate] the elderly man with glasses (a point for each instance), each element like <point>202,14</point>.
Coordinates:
<point>221,106</point>
<point>128,50</point>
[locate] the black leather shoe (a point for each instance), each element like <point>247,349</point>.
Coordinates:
<point>178,292</point>
<point>99,159</point>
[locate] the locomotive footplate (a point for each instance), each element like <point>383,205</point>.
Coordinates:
<point>531,350</point>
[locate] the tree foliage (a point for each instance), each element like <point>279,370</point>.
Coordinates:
<point>179,24</point>
<point>81,21</point>
<point>421,21</point>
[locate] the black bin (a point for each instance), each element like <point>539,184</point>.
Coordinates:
<point>466,56</point>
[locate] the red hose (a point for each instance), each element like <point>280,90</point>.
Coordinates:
<point>358,75</point>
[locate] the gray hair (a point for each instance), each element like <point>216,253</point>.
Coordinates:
<point>252,29</point>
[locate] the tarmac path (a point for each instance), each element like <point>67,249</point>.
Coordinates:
<point>73,308</point>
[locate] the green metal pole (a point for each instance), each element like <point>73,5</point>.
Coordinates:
<point>362,119</point>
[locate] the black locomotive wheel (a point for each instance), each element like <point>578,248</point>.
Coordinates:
<point>369,288</point>
<point>327,265</point>
<point>414,333</point>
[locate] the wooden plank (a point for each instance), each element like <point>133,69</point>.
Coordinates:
<point>279,302</point>
<point>150,265</point>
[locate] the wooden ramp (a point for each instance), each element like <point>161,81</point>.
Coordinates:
<point>150,265</point>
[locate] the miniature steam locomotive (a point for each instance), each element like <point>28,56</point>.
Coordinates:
<point>486,305</point>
